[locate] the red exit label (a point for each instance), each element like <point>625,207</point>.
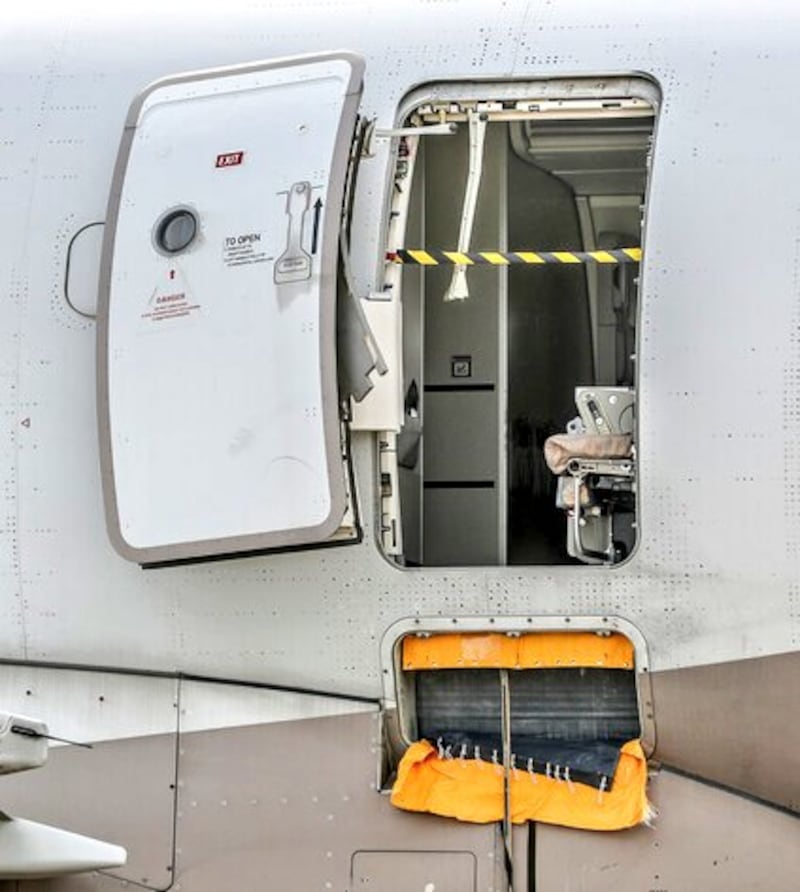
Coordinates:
<point>229,159</point>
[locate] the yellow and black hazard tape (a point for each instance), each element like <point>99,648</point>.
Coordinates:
<point>430,257</point>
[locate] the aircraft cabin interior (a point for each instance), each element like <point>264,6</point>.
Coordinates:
<point>519,391</point>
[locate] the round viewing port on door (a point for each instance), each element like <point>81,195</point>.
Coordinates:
<point>175,231</point>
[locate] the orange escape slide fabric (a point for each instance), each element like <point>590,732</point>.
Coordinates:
<point>472,790</point>
<point>534,650</point>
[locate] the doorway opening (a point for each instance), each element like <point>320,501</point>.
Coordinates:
<point>515,243</point>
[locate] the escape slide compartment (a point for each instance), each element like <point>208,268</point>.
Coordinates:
<point>543,719</point>
<point>218,410</point>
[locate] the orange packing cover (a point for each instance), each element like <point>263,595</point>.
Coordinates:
<point>472,790</point>
<point>533,650</point>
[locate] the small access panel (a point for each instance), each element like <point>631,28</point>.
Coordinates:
<point>218,409</point>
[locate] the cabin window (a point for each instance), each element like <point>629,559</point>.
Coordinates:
<point>514,244</point>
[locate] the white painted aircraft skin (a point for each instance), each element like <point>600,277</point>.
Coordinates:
<point>714,578</point>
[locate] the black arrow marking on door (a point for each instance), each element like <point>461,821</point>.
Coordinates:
<point>315,231</point>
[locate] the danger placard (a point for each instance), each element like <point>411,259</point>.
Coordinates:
<point>169,305</point>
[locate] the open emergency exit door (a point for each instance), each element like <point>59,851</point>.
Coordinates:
<point>218,409</point>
